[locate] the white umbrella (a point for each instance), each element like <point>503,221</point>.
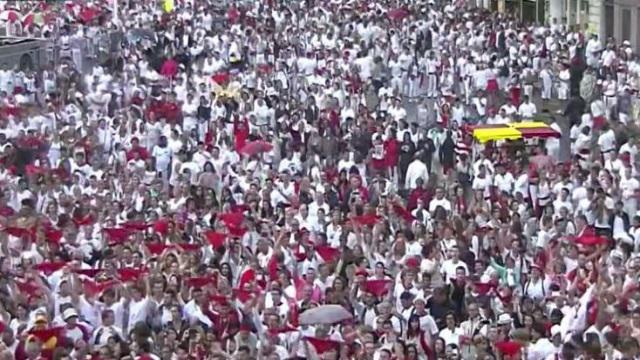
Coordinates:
<point>325,314</point>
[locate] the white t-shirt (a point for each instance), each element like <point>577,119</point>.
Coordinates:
<point>138,311</point>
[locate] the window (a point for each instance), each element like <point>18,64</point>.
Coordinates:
<point>638,30</point>
<point>626,24</point>
<point>608,21</point>
<point>584,12</point>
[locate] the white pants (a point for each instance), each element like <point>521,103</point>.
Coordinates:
<point>528,90</point>
<point>413,87</point>
<point>563,91</point>
<point>396,84</point>
<point>546,91</point>
<point>609,102</point>
<point>432,85</point>
<point>630,205</point>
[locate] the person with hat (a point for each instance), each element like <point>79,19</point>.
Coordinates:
<point>73,330</point>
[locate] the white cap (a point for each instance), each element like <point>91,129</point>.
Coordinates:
<point>69,313</point>
<point>504,319</point>
<point>419,297</point>
<point>555,330</point>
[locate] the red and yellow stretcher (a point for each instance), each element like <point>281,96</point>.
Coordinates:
<point>513,131</point>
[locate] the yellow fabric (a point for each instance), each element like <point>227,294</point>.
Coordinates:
<point>50,344</point>
<point>233,90</point>
<point>47,345</point>
<point>168,5</point>
<point>505,133</point>
<point>529,125</point>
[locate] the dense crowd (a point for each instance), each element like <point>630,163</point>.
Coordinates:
<point>300,179</point>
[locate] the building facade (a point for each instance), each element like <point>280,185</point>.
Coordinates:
<point>618,19</point>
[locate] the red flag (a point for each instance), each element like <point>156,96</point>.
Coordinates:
<point>243,295</point>
<point>249,275</point>
<point>161,226</point>
<point>366,220</point>
<point>508,348</point>
<point>85,220</point>
<point>377,287</point>
<point>158,248</point>
<point>136,225</point>
<point>589,240</point>
<point>53,235</point>
<point>402,212</point>
<point>322,345</point>
<point>130,274</point>
<point>232,219</point>
<point>362,272</point>
<point>49,268</point>
<point>216,239</point>
<point>88,272</point>
<point>283,330</point>
<point>483,288</point>
<point>327,253</point>
<point>16,231</point>
<point>117,235</point>
<point>237,232</point>
<point>92,288</point>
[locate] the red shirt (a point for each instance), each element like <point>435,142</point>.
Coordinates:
<point>141,151</point>
<point>240,133</point>
<point>170,111</point>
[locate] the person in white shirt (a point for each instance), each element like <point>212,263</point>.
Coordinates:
<point>629,185</point>
<point>607,142</point>
<point>451,333</point>
<point>139,307</point>
<point>416,170</point>
<point>432,66</point>
<point>482,182</point>
<point>541,347</point>
<point>449,268</point>
<point>162,154</point>
<point>537,287</point>
<point>547,82</point>
<point>439,201</point>
<point>107,330</point>
<point>503,180</point>
<point>563,201</point>
<point>527,109</point>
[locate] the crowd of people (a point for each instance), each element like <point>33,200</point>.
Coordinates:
<point>298,179</point>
